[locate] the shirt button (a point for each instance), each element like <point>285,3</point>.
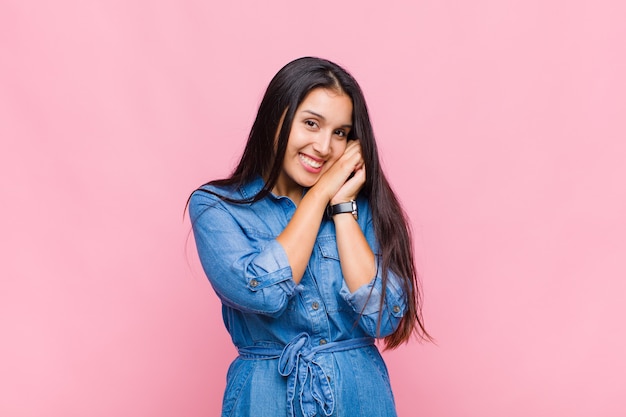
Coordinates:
<point>396,309</point>
<point>315,305</point>
<point>254,282</point>
<point>323,342</point>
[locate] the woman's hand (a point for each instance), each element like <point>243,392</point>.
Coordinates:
<point>350,189</point>
<point>336,183</point>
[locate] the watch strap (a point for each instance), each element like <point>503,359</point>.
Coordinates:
<point>347,207</point>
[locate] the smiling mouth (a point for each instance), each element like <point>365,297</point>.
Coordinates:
<point>310,162</point>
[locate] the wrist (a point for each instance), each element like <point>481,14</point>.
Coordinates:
<point>318,195</point>
<point>343,218</point>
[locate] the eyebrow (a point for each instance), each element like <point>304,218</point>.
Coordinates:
<point>347,126</point>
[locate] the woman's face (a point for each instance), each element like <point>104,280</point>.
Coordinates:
<point>318,137</point>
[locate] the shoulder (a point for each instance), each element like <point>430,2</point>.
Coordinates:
<point>215,192</point>
<point>208,192</point>
<point>211,195</point>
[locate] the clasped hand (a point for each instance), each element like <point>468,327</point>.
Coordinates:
<point>337,183</point>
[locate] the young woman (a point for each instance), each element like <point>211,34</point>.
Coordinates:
<point>309,251</point>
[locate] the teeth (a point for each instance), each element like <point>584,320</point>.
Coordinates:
<point>312,163</point>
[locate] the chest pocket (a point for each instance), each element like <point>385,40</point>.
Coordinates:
<point>329,277</point>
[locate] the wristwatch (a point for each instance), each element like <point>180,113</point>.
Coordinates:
<point>349,207</point>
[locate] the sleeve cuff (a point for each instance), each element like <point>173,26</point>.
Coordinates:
<point>366,300</point>
<point>272,258</point>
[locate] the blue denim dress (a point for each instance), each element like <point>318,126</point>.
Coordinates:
<point>304,350</point>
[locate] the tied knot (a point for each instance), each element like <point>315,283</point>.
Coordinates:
<point>297,363</point>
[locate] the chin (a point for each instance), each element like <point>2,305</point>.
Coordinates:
<point>308,184</point>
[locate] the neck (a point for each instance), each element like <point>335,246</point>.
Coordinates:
<point>293,193</point>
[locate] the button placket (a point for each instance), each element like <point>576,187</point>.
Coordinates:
<point>310,296</point>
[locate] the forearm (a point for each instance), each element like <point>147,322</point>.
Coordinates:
<point>357,259</point>
<point>299,236</point>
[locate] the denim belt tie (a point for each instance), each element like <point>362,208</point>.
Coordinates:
<point>297,362</point>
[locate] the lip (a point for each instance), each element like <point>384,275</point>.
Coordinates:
<point>308,167</point>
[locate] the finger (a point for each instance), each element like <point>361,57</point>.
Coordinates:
<point>354,145</point>
<point>353,154</point>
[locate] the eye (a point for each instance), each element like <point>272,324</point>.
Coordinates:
<point>341,133</point>
<point>311,123</point>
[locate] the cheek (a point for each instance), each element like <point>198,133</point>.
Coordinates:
<point>339,149</point>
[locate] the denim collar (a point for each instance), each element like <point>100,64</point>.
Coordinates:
<point>252,188</point>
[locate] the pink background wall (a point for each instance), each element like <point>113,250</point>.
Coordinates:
<point>502,127</point>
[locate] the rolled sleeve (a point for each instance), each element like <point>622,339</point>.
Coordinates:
<point>270,267</point>
<point>249,274</point>
<point>366,301</point>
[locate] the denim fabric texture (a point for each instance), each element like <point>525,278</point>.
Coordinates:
<point>281,328</point>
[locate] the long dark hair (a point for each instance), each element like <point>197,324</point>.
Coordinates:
<point>265,151</point>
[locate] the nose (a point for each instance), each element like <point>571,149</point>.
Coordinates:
<point>322,144</point>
